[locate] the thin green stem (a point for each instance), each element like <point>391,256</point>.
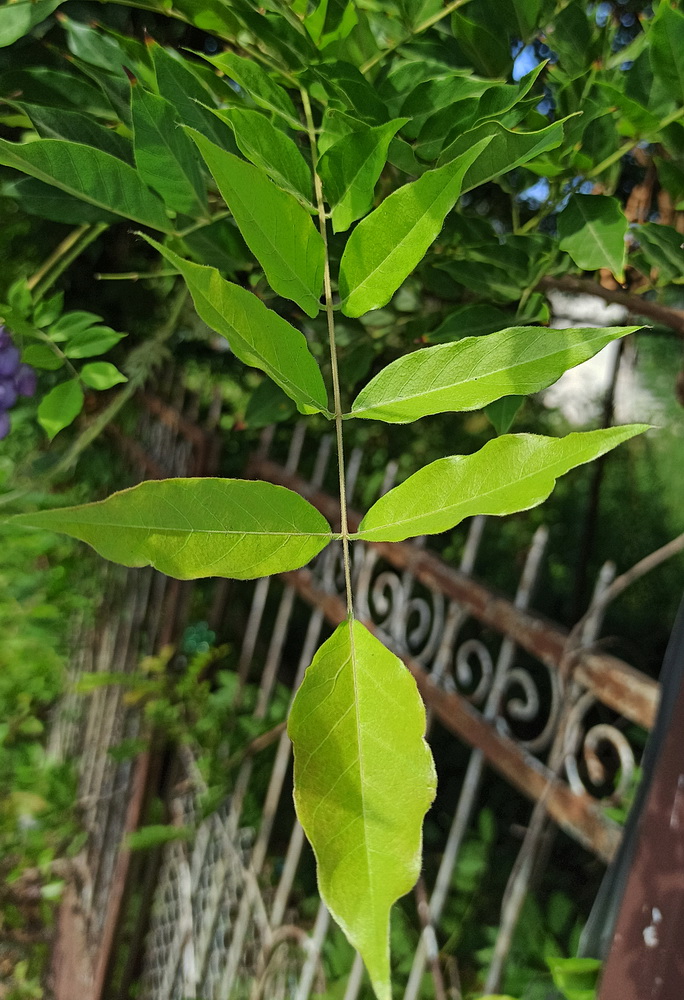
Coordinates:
<point>330,317</point>
<point>181,234</point>
<point>64,255</point>
<point>423,26</point>
<point>137,275</point>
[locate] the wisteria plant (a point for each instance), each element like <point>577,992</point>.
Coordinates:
<point>333,160</point>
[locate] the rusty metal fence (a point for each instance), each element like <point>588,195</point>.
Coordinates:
<point>224,921</point>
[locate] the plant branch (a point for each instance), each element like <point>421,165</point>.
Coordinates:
<point>327,287</point>
<point>423,26</point>
<point>629,145</point>
<point>672,318</point>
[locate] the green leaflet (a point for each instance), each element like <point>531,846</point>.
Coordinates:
<point>257,335</point>
<point>277,229</point>
<point>386,246</point>
<point>363,781</point>
<point>57,123</point>
<point>502,412</point>
<point>184,92</point>
<point>101,375</point>
<point>60,407</point>
<point>258,84</point>
<point>47,202</point>
<point>666,49</point>
<point>350,169</point>
<point>87,173</point>
<point>506,150</point>
<point>592,229</point>
<point>473,372</point>
<point>166,158</point>
<point>17,19</point>
<point>269,148</point>
<point>662,247</point>
<point>191,528</point>
<point>510,473</point>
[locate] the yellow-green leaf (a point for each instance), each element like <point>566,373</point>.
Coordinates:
<point>386,245</point>
<point>363,781</point>
<point>276,228</point>
<point>473,372</point>
<point>257,335</point>
<point>510,473</point>
<point>192,528</point>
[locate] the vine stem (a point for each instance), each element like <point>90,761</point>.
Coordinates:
<point>330,316</point>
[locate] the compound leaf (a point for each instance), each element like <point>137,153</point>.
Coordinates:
<point>470,373</point>
<point>363,781</point>
<point>386,246</point>
<point>510,473</point>
<point>90,174</point>
<point>592,229</point>
<point>191,528</point>
<point>257,335</point>
<point>276,228</point>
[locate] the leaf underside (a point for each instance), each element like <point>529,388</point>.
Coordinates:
<point>364,779</point>
<point>193,528</point>
<point>475,371</point>
<point>510,473</point>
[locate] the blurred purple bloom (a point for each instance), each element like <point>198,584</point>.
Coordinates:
<point>4,425</point>
<point>9,360</point>
<point>25,381</point>
<point>8,393</point>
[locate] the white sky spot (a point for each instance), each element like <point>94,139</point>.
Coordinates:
<point>579,393</point>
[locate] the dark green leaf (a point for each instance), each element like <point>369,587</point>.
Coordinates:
<point>502,412</point>
<point>47,202</point>
<point>17,19</point>
<point>267,405</point>
<point>184,92</point>
<point>166,159</point>
<point>43,357</point>
<point>269,148</point>
<point>592,229</point>
<point>350,169</point>
<point>506,150</point>
<point>666,49</point>
<point>258,84</point>
<point>58,123</point>
<point>469,321</point>
<point>98,178</point>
